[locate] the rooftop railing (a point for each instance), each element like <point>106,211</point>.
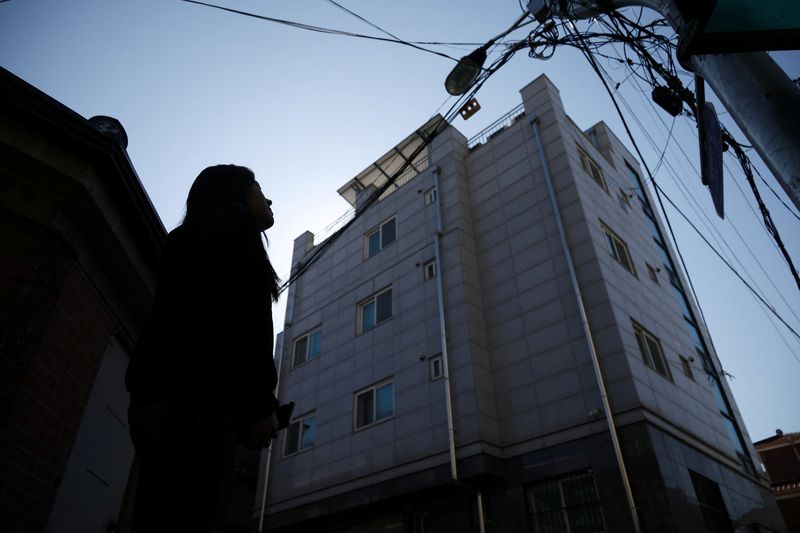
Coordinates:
<point>410,173</point>
<point>496,127</point>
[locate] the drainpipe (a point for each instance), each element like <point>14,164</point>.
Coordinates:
<point>598,372</point>
<point>287,320</point>
<point>445,364</point>
<point>268,461</point>
<point>442,327</point>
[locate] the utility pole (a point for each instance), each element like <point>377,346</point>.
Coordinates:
<point>759,96</point>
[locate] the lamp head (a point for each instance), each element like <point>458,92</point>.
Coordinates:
<point>466,72</point>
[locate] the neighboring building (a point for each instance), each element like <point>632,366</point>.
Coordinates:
<point>364,356</point>
<point>780,455</point>
<point>80,242</point>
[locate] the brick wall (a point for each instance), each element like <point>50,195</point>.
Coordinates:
<point>783,464</point>
<point>55,328</point>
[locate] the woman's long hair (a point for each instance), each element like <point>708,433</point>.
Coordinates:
<point>214,189</point>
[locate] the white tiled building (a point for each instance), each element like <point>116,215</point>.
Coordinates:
<point>363,355</point>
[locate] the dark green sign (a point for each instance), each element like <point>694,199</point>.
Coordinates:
<point>743,26</point>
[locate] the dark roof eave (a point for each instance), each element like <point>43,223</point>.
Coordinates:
<point>57,120</point>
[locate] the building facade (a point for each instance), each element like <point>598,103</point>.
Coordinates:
<point>780,455</point>
<point>450,361</point>
<point>80,243</point>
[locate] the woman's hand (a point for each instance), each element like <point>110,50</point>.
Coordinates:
<point>265,429</point>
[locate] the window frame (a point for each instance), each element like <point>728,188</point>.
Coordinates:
<point>379,230</point>
<point>374,390</point>
<point>686,364</point>
<point>616,247</point>
<point>300,433</point>
<point>653,273</point>
<point>566,508</point>
<point>624,200</point>
<point>590,166</point>
<point>373,298</point>
<point>431,366</point>
<point>712,504</point>
<point>643,335</point>
<point>429,196</point>
<point>432,266</point>
<point>307,337</point>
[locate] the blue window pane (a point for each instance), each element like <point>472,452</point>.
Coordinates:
<point>716,390</point>
<point>368,316</point>
<point>314,344</point>
<point>654,231</point>
<point>309,432</point>
<point>292,437</point>
<point>647,211</point>
<point>384,306</point>
<point>385,403</point>
<point>388,232</point>
<point>683,304</point>
<point>374,243</point>
<point>738,444</point>
<point>665,258</point>
<point>300,348</point>
<point>673,277</point>
<point>733,434</point>
<point>612,249</point>
<point>707,366</point>
<point>695,337</point>
<point>643,348</point>
<point>365,413</point>
<point>636,183</point>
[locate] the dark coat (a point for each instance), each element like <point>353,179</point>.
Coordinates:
<point>211,337</point>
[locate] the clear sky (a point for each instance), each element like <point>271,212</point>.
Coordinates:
<point>195,86</point>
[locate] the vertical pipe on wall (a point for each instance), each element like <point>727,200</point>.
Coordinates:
<point>598,372</point>
<point>443,339</point>
<point>443,327</point>
<point>268,462</point>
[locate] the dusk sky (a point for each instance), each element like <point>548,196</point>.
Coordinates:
<point>195,86</point>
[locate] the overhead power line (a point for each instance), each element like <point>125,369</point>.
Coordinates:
<point>589,57</point>
<point>330,31</point>
<point>677,177</point>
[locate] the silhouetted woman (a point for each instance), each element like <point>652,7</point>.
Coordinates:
<point>202,379</point>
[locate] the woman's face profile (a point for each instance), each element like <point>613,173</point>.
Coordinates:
<point>259,205</point>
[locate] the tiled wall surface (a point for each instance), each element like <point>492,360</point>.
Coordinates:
<point>522,376</point>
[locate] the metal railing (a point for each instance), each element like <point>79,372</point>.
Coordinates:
<point>496,127</point>
<point>412,171</point>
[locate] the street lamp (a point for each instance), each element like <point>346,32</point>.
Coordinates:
<point>466,71</point>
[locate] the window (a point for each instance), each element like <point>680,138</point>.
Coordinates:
<point>636,183</point>
<point>300,434</point>
<point>653,274</point>
<point>374,404</point>
<point>591,168</point>
<point>618,249</point>
<point>732,428</point>
<point>687,367</point>
<point>430,269</point>
<point>374,310</point>
<point>624,200</point>
<point>307,347</point>
<point>569,504</point>
<point>436,368</point>
<point>380,237</point>
<point>683,303</point>
<point>715,514</point>
<point>430,196</point>
<point>652,354</point>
